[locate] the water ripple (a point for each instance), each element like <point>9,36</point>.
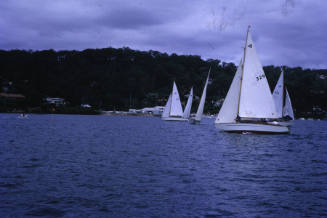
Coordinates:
<point>100,166</point>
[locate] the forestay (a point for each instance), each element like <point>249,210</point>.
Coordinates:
<point>256,100</point>
<point>228,111</point>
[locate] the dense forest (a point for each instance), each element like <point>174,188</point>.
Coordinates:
<point>118,79</point>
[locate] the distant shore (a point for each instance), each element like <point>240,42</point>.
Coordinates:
<point>126,113</point>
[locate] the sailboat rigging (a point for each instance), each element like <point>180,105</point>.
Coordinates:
<point>173,110</point>
<point>249,105</point>
<point>283,101</point>
<point>199,113</point>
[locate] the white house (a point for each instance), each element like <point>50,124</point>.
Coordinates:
<point>55,101</point>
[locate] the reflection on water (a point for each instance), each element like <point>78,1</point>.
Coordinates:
<point>71,165</point>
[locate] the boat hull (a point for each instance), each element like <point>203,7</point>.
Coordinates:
<point>174,119</point>
<point>283,123</point>
<point>194,121</point>
<point>253,127</point>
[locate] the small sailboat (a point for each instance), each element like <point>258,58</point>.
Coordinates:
<point>173,110</point>
<point>249,105</point>
<point>187,110</point>
<point>288,109</point>
<point>280,94</point>
<point>199,112</point>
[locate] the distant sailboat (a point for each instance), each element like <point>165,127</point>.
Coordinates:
<point>199,113</point>
<point>249,105</point>
<point>280,94</point>
<point>187,110</point>
<point>288,110</point>
<point>173,110</point>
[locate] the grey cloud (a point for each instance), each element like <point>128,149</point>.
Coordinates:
<point>288,32</point>
<point>129,18</point>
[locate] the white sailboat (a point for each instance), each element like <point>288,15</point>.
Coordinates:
<point>199,112</point>
<point>173,110</point>
<point>288,110</point>
<point>278,95</point>
<point>249,105</point>
<point>187,110</point>
<point>284,112</point>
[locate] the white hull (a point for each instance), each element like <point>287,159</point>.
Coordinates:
<point>174,119</point>
<point>23,116</point>
<point>283,123</point>
<point>253,127</point>
<point>194,121</point>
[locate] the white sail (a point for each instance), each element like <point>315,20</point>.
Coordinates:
<point>176,106</point>
<point>188,106</point>
<point>228,112</point>
<point>278,95</point>
<point>288,110</point>
<point>166,110</point>
<point>199,112</point>
<point>256,100</point>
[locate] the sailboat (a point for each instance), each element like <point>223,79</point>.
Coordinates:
<point>187,110</point>
<point>288,109</point>
<point>249,105</point>
<point>173,110</point>
<point>284,112</point>
<point>199,112</point>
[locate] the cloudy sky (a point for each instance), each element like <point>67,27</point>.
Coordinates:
<point>286,32</point>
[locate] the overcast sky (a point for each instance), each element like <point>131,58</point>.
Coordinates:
<point>285,32</point>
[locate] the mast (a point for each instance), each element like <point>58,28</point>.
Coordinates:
<point>283,92</point>
<point>239,96</point>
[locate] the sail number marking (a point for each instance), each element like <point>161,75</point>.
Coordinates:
<point>260,77</point>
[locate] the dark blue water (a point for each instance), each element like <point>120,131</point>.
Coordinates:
<point>102,166</point>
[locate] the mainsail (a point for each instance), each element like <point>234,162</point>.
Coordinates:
<point>256,100</point>
<point>278,95</point>
<point>176,106</point>
<point>228,112</point>
<point>187,110</point>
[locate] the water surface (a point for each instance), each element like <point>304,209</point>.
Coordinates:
<point>111,166</point>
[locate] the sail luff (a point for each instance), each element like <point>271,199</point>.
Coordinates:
<point>187,110</point>
<point>199,112</point>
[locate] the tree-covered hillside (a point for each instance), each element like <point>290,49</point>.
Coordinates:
<point>123,78</point>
